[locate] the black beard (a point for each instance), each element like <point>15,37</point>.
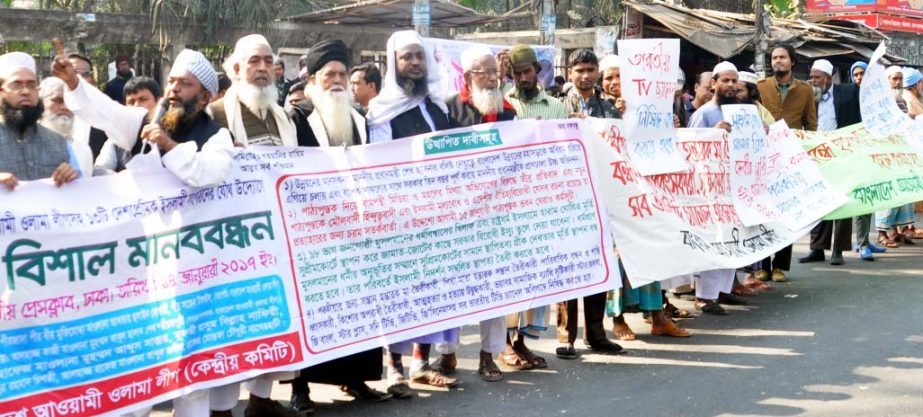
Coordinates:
<point>22,118</point>
<point>180,119</point>
<point>411,87</point>
<point>722,100</point>
<point>530,93</point>
<point>779,73</point>
<point>126,74</point>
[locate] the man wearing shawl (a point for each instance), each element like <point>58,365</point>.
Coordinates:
<point>249,108</point>
<point>412,101</point>
<point>330,121</point>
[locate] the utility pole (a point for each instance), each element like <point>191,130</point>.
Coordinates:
<point>547,22</point>
<point>759,42</point>
<point>422,17</point>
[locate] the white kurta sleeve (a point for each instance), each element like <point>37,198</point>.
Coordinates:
<point>380,133</point>
<point>121,123</point>
<point>202,168</point>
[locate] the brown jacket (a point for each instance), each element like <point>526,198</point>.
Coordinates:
<point>798,110</point>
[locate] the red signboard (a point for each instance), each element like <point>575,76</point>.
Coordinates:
<point>887,23</point>
<point>904,7</point>
<point>840,6</point>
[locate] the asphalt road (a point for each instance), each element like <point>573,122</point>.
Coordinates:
<point>833,341</point>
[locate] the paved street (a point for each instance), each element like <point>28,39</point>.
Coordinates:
<point>834,341</point>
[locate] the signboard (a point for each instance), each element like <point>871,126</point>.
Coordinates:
<point>448,58</point>
<point>422,15</point>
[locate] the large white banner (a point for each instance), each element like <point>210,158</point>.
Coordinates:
<point>649,69</point>
<point>772,178</point>
<point>448,57</point>
<point>679,223</point>
<point>125,291</point>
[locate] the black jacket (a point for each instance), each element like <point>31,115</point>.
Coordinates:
<point>846,105</point>
<point>411,122</point>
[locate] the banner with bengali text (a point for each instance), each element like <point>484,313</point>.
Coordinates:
<point>120,292</point>
<point>679,223</point>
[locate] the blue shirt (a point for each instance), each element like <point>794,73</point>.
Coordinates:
<point>709,115</point>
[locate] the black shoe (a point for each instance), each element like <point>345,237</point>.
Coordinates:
<point>216,413</point>
<point>265,407</point>
<point>814,256</point>
<point>607,348</point>
<point>301,403</point>
<point>364,392</point>
<point>731,299</point>
<point>566,352</point>
<point>836,258</point>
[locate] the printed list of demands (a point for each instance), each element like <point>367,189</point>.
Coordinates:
<point>383,250</point>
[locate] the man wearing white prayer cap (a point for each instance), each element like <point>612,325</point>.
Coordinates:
<point>411,102</point>
<point>611,81</point>
<point>481,101</point>
<point>412,98</point>
<point>193,146</point>
<point>28,150</point>
<point>724,78</point>
<point>837,107</point>
<point>249,108</point>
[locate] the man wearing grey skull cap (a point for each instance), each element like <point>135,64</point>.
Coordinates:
<point>194,147</point>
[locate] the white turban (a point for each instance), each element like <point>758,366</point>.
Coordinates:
<point>196,63</point>
<point>473,53</point>
<point>893,69</point>
<point>392,101</point>
<point>824,66</point>
<point>14,61</point>
<point>609,61</point>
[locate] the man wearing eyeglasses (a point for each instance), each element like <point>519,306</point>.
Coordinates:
<point>28,150</point>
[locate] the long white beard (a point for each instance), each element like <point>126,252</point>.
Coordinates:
<point>487,101</point>
<point>255,98</point>
<point>334,110</point>
<point>60,123</point>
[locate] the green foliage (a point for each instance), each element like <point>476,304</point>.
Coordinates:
<point>784,9</point>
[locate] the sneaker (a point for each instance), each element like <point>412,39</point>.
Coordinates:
<point>865,254</point>
<point>778,275</point>
<point>761,275</point>
<point>877,249</point>
<point>265,407</point>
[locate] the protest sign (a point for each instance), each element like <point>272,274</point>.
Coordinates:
<point>687,217</point>
<point>139,289</point>
<point>649,69</point>
<point>448,57</point>
<point>880,113</point>
<point>875,172</point>
<point>772,179</point>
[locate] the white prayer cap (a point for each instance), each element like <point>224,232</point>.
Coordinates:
<point>14,61</point>
<point>250,41</point>
<point>609,61</point>
<point>824,66</point>
<point>473,53</point>
<point>894,68</point>
<point>196,63</point>
<point>724,66</point>
<point>747,77</point>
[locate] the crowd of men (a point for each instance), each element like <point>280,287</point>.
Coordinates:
<point>65,128</point>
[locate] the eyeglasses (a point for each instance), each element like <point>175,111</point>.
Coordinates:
<point>485,73</point>
<point>21,86</point>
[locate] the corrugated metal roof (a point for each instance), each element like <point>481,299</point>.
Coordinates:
<point>728,34</point>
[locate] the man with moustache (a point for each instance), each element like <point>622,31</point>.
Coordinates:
<point>330,120</point>
<point>527,95</point>
<point>791,100</point>
<point>141,92</point>
<point>59,118</point>
<point>583,98</point>
<point>249,108</point>
<point>412,102</point>
<point>193,146</point>
<point>611,81</point>
<point>481,101</point>
<point>115,88</point>
<point>28,150</point>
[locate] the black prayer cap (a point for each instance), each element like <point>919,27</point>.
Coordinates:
<point>324,52</point>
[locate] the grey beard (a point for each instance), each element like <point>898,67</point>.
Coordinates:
<point>413,88</point>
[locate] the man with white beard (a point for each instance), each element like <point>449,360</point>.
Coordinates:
<point>59,118</point>
<point>331,120</point>
<point>481,101</point>
<point>249,108</point>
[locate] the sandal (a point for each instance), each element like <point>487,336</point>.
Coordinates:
<point>918,233</point>
<point>512,359</point>
<point>433,378</point>
<point>757,284</point>
<point>743,291</point>
<point>445,364</point>
<point>670,329</point>
<point>566,352</point>
<point>887,242</point>
<point>400,390</point>
<point>710,307</point>
<point>537,362</point>
<point>675,312</point>
<point>489,371</point>
<point>621,331</point>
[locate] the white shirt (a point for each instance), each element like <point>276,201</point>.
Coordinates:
<point>826,113</point>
